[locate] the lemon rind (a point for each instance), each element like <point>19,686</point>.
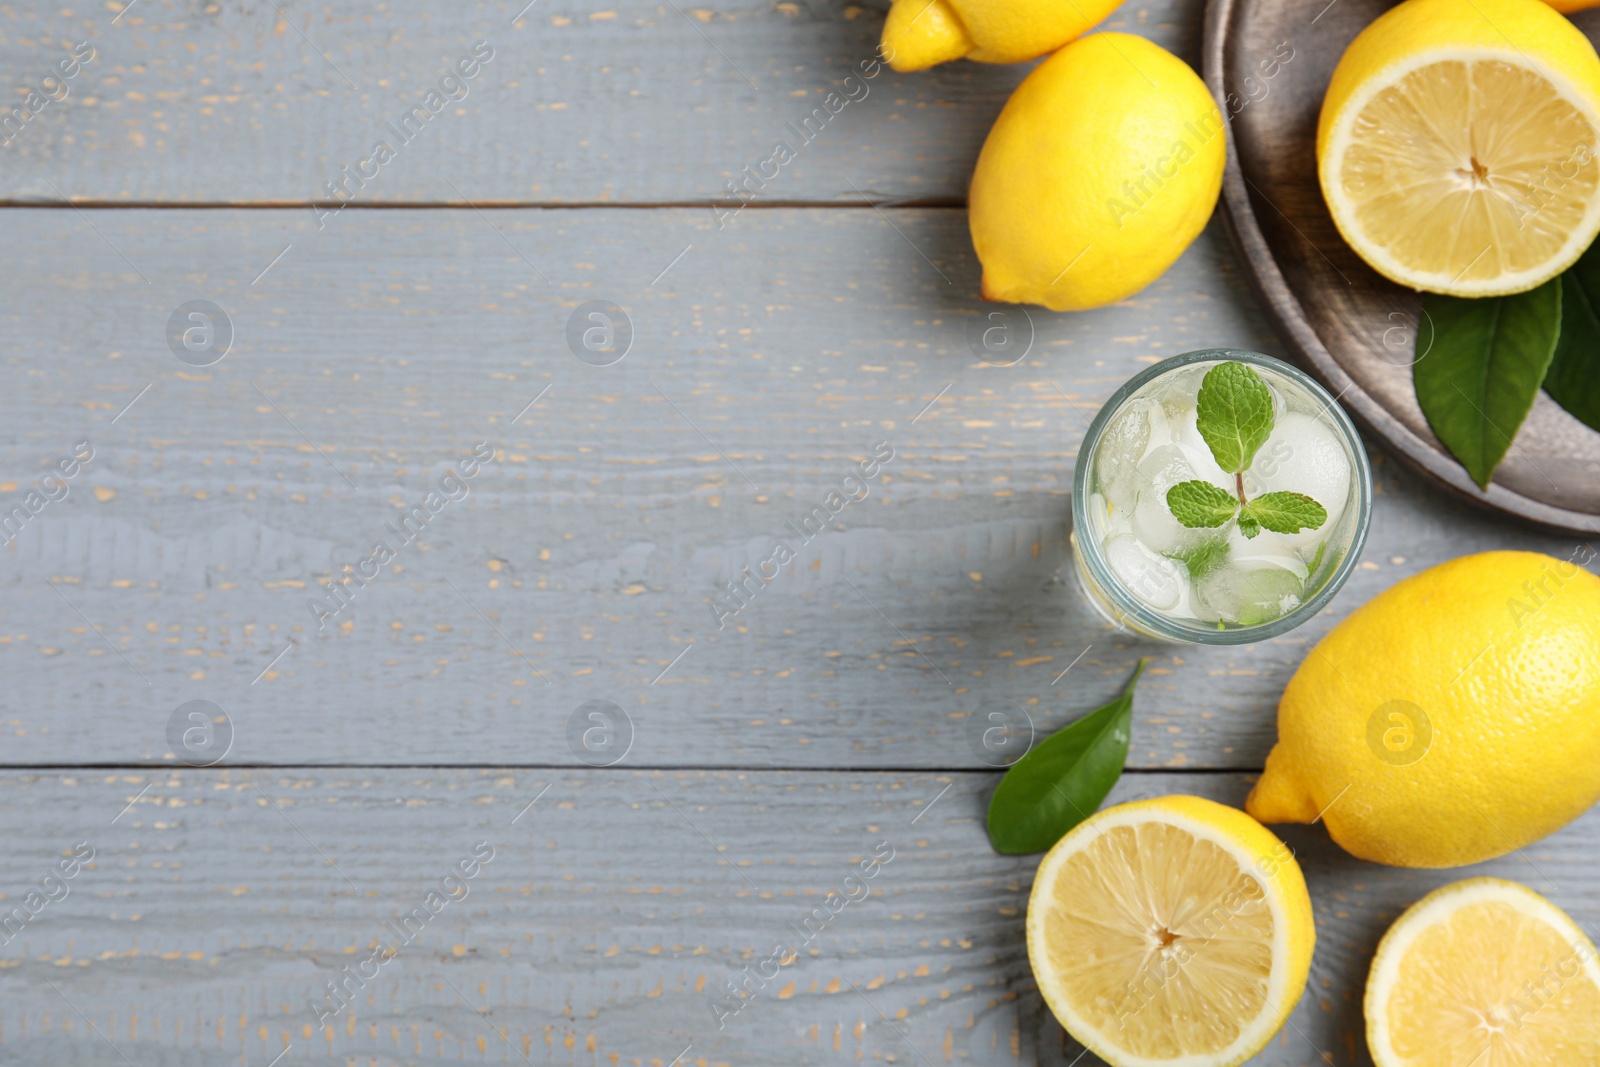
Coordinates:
<point>1277,1007</point>
<point>1377,257</point>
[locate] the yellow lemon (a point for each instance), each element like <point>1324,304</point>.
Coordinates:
<point>1452,718</point>
<point>1567,7</point>
<point>1456,147</point>
<point>1101,169</point>
<point>1483,972</point>
<point>920,33</point>
<point>1173,930</point>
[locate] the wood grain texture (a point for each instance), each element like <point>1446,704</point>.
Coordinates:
<point>1271,63</point>
<point>642,100</point>
<point>777,351</point>
<point>599,932</point>
<point>371,351</point>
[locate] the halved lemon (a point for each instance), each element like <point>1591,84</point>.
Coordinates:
<point>1457,147</point>
<point>1170,931</point>
<point>1488,973</point>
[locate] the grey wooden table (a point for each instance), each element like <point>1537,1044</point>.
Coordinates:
<point>365,753</point>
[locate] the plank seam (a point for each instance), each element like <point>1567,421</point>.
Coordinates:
<point>934,203</point>
<point>720,767</point>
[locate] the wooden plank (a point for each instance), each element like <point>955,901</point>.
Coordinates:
<point>603,926</point>
<point>584,562</point>
<point>642,100</point>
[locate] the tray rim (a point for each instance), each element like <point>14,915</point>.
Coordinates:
<point>1282,306</point>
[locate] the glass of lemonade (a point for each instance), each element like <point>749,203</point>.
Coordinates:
<point>1243,467</point>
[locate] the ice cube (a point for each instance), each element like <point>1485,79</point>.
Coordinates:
<point>1140,426</point>
<point>1153,522</point>
<point>1121,446</point>
<point>1160,428</point>
<point>1266,549</point>
<point>1099,515</point>
<point>1248,593</point>
<point>1098,518</point>
<point>1151,577</point>
<point>1177,389</point>
<point>1302,456</point>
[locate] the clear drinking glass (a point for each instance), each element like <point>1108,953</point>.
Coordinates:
<point>1146,572</point>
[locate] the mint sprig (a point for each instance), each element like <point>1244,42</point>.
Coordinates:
<point>1234,411</point>
<point>1286,513</point>
<point>1234,415</point>
<point>1200,503</point>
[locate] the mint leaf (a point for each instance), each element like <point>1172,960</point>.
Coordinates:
<point>1196,503</point>
<point>1573,380</point>
<point>1203,558</point>
<point>1062,781</point>
<point>1233,412</point>
<point>1286,513</point>
<point>1248,525</point>
<point>1477,383</point>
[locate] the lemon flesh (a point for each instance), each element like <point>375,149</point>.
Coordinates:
<point>1169,930</point>
<point>1458,159</point>
<point>1483,972</point>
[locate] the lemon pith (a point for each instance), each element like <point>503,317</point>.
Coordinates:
<point>1174,929</point>
<point>1456,145</point>
<point>1452,718</point>
<point>1486,972</point>
<point>1102,168</point>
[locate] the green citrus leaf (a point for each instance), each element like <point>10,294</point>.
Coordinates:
<point>1197,503</point>
<point>1477,382</point>
<point>1286,513</point>
<point>1573,380</point>
<point>1233,412</point>
<point>1062,781</point>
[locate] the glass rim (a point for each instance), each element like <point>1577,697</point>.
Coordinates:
<point>1147,618</point>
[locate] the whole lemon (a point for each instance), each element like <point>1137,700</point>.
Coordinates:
<point>1101,169</point>
<point>920,33</point>
<point>1452,718</point>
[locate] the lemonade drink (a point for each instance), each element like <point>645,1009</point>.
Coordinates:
<point>1185,531</point>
